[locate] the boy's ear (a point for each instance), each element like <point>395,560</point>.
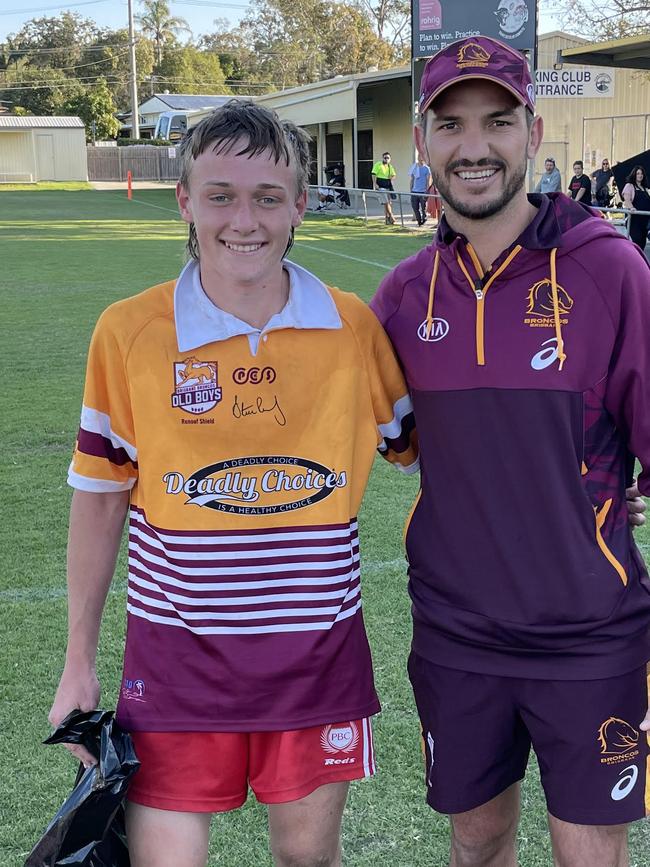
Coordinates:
<point>300,208</point>
<point>184,203</point>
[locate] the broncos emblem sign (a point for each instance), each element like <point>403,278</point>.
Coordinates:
<point>616,737</point>
<point>540,303</point>
<point>472,54</point>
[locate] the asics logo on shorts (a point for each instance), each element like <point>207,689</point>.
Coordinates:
<point>627,782</point>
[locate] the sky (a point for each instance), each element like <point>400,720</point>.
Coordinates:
<point>199,14</point>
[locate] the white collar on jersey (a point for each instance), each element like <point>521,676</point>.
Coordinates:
<point>199,321</point>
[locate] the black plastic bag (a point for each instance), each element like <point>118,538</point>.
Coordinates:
<point>88,829</point>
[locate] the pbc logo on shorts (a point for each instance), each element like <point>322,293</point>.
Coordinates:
<point>196,388</point>
<point>342,738</point>
<point>618,741</point>
<point>133,690</point>
<point>254,375</point>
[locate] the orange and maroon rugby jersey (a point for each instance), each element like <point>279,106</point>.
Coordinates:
<point>247,454</point>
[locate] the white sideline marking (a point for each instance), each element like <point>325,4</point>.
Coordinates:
<point>44,594</point>
<point>297,244</point>
<point>345,256</point>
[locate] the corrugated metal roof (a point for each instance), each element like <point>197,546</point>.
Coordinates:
<point>190,101</point>
<point>13,122</point>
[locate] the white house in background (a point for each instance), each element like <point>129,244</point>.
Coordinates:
<point>181,104</point>
<point>42,149</point>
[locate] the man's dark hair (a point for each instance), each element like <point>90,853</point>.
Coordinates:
<point>578,163</point>
<point>249,130</point>
<point>631,178</point>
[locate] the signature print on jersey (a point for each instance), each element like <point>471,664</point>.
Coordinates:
<point>196,388</point>
<point>257,485</point>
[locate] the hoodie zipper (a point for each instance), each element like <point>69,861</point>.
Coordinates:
<point>480,287</point>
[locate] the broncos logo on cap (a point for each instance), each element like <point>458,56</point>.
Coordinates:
<point>540,299</point>
<point>472,54</point>
<point>616,736</point>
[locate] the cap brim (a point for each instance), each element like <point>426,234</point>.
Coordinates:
<point>473,76</point>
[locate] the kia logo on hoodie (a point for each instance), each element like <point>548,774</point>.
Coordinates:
<point>433,332</point>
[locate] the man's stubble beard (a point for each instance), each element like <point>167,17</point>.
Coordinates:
<point>483,210</point>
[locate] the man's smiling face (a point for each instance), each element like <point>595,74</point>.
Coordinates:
<point>478,142</point>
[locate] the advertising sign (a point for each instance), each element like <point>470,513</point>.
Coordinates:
<point>436,23</point>
<point>577,81</point>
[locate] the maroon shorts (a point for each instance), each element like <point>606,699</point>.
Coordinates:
<point>478,729</point>
<point>210,772</point>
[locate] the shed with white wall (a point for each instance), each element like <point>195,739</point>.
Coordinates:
<point>42,149</point>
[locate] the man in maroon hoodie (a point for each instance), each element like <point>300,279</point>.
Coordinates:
<point>523,330</point>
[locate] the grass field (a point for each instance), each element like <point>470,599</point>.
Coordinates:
<point>64,257</point>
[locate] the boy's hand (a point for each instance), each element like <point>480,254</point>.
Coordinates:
<point>78,690</point>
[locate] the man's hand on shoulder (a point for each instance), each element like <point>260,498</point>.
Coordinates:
<point>78,690</point>
<point>636,507</point>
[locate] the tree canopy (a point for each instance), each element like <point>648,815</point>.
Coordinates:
<point>604,19</point>
<point>66,64</point>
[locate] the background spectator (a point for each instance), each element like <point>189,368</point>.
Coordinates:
<point>636,197</point>
<point>420,179</point>
<point>580,185</point>
<point>383,174</point>
<point>551,180</point>
<point>602,178</point>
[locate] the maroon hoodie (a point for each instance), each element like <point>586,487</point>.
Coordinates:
<point>531,390</point>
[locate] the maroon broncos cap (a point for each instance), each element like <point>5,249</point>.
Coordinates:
<point>477,57</point>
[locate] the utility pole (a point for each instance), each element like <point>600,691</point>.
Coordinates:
<point>135,118</point>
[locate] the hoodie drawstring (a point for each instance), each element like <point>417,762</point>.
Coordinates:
<point>432,289</point>
<point>480,296</point>
<point>556,309</point>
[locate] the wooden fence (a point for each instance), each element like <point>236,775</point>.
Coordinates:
<point>145,162</point>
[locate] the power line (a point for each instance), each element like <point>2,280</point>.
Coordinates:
<point>64,6</point>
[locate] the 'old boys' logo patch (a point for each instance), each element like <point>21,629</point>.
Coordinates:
<point>196,389</point>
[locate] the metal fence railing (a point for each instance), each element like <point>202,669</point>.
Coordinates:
<point>154,163</point>
<point>369,204</point>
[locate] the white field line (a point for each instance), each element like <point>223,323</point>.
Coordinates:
<point>345,256</point>
<point>47,594</point>
<point>297,244</point>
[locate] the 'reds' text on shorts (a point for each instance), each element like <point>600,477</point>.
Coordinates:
<point>477,731</point>
<point>211,772</point>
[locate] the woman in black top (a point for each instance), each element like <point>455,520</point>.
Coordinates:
<point>636,197</point>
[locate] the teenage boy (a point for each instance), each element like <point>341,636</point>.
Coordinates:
<point>580,184</point>
<point>234,414</point>
<point>523,334</point>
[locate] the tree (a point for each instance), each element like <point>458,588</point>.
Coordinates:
<point>603,19</point>
<point>95,106</point>
<point>283,43</point>
<point>392,21</point>
<point>57,42</point>
<point>160,25</point>
<point>188,70</point>
<point>111,54</point>
<point>39,91</point>
<point>236,58</point>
